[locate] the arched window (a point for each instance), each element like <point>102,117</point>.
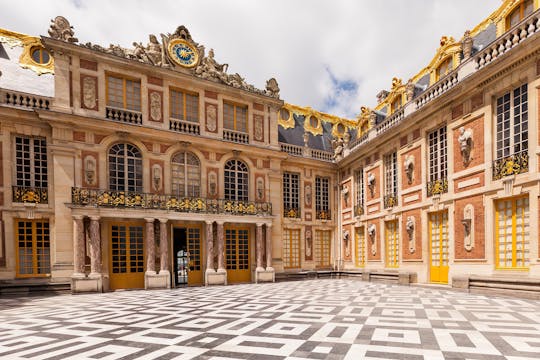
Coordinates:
<point>521,11</point>
<point>236,180</point>
<point>125,168</point>
<point>186,175</point>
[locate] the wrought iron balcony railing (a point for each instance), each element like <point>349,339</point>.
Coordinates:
<point>34,195</point>
<point>323,214</point>
<point>437,187</point>
<point>390,200</point>
<point>514,164</point>
<point>359,209</point>
<point>291,212</point>
<point>139,200</point>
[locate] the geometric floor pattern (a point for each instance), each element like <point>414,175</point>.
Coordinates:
<point>314,319</point>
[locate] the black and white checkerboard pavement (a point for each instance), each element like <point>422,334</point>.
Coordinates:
<point>314,319</point>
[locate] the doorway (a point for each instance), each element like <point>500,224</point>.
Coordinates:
<point>187,256</point>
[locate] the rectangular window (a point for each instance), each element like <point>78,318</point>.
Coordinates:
<point>512,232</point>
<point>322,203</point>
<point>33,248</point>
<point>359,187</point>
<point>184,106</point>
<point>360,246</point>
<point>438,165</point>
<point>322,248</point>
<point>291,195</point>
<point>291,248</point>
<point>512,122</point>
<point>123,93</point>
<point>390,180</point>
<point>235,117</point>
<point>31,162</point>
<point>392,244</point>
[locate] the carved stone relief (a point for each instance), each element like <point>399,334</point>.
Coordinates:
<point>465,144</point>
<point>309,243</point>
<point>211,118</point>
<point>408,165</point>
<point>155,106</point>
<point>372,238</point>
<point>259,188</point>
<point>60,29</point>
<point>468,227</point>
<point>89,92</point>
<point>410,227</point>
<point>307,194</point>
<point>157,177</point>
<point>90,175</point>
<point>259,127</point>
<point>212,183</point>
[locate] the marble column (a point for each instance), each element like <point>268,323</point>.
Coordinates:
<point>150,247</point>
<point>269,247</point>
<point>259,245</point>
<point>95,246</point>
<point>78,246</point>
<point>163,246</point>
<point>221,247</point>
<point>209,246</point>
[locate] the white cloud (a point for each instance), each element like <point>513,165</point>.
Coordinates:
<point>298,42</point>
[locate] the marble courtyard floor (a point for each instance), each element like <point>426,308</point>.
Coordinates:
<point>313,319</point>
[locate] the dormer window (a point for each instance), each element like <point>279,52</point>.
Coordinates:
<point>521,11</point>
<point>444,68</point>
<point>396,104</point>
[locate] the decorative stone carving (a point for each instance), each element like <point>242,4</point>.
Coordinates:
<point>371,233</point>
<point>272,88</point>
<point>212,184</point>
<point>61,29</point>
<point>381,96</point>
<point>409,90</point>
<point>155,106</point>
<point>347,241</point>
<point>90,170</point>
<point>307,194</point>
<point>337,145</point>
<point>210,69</point>
<point>153,52</point>
<point>156,177</point>
<point>306,138</point>
<point>467,45</point>
<point>89,95</point>
<point>410,226</point>
<point>260,189</point>
<point>465,144</point>
<point>211,117</point>
<point>468,227</point>
<point>258,132</point>
<point>345,194</point>
<point>408,164</point>
<point>371,184</point>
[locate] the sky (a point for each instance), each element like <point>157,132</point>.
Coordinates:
<point>332,55</point>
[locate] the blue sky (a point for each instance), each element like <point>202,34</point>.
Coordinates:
<point>333,55</point>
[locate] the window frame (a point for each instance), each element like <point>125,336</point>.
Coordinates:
<point>125,101</point>
<point>227,185</point>
<point>521,8</point>
<point>32,174</point>
<point>291,194</point>
<point>189,184</point>
<point>185,94</point>
<point>235,118</point>
<point>504,150</point>
<point>322,198</point>
<point>438,153</point>
<point>138,178</point>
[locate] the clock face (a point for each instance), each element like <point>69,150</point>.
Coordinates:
<point>183,53</point>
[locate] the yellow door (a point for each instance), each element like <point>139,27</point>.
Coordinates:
<point>360,246</point>
<point>512,240</point>
<point>195,275</point>
<point>438,248</point>
<point>33,248</point>
<point>126,256</point>
<point>392,244</point>
<point>237,254</point>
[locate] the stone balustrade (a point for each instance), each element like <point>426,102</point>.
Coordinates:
<point>122,115</point>
<point>186,127</point>
<point>390,121</point>
<point>24,100</point>
<point>235,136</point>
<point>437,89</point>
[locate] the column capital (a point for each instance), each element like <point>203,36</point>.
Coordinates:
<point>163,221</point>
<point>77,217</point>
<point>220,222</point>
<point>209,222</point>
<point>260,224</point>
<point>149,220</point>
<point>94,217</point>
<point>268,225</point>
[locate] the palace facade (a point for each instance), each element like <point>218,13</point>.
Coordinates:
<point>153,167</point>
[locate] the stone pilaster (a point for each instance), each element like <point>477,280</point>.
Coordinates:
<point>212,277</point>
<point>95,246</point>
<point>150,247</point>
<point>78,246</point>
<point>259,245</point>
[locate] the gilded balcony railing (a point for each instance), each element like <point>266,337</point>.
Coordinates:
<point>359,209</point>
<point>510,165</point>
<point>139,200</point>
<point>437,187</point>
<point>35,195</point>
<point>390,200</point>
<point>291,212</point>
<point>323,214</point>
